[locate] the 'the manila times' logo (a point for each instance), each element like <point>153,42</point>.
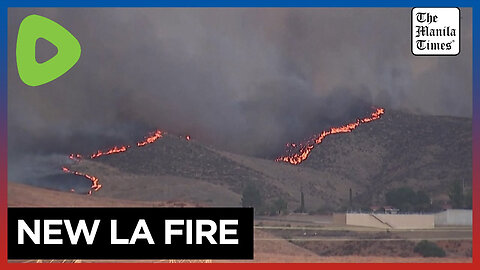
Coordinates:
<point>435,31</point>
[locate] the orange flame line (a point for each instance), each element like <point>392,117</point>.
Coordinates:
<point>95,181</point>
<point>75,156</point>
<point>151,138</point>
<point>116,149</point>
<point>305,151</point>
<point>110,151</point>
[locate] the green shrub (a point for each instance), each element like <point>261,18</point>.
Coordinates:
<point>429,249</point>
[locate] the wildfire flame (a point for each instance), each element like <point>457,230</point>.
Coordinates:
<point>75,156</point>
<point>307,147</point>
<point>95,181</point>
<point>114,150</point>
<point>153,136</point>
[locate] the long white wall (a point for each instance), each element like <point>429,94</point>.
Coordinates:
<point>454,217</point>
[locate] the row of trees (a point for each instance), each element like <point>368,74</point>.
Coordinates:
<point>403,198</point>
<point>407,200</point>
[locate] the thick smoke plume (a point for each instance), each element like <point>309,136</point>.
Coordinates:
<point>243,80</point>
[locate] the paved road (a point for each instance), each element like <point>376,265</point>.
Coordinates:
<point>351,233</point>
<point>322,239</point>
<point>361,229</point>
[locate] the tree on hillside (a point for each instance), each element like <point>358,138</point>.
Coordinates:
<point>456,195</point>
<point>422,201</point>
<point>468,199</point>
<point>251,197</point>
<point>301,209</point>
<point>350,199</point>
<point>302,202</point>
<point>280,206</point>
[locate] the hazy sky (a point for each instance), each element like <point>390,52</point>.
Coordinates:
<point>246,80</point>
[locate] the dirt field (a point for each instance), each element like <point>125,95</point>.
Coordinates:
<point>20,195</point>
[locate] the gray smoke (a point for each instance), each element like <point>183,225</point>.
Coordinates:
<point>244,80</point>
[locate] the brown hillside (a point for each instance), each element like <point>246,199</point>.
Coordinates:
<point>424,152</point>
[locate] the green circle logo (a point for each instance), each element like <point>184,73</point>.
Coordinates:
<point>31,29</point>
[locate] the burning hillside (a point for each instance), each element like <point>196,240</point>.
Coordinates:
<point>151,138</point>
<point>95,185</point>
<point>204,166</point>
<point>114,150</point>
<point>401,149</point>
<point>297,153</point>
